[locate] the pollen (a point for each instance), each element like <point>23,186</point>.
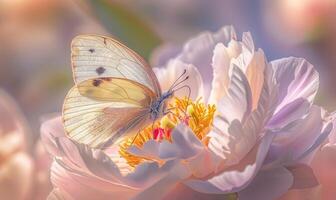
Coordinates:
<point>197,115</point>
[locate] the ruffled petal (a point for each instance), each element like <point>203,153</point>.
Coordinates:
<point>236,177</point>
<point>198,51</point>
<point>231,141</point>
<point>221,67</point>
<point>289,113</point>
<point>255,76</point>
<point>168,75</point>
<point>238,102</point>
<point>233,145</point>
<point>302,136</point>
<point>165,184</point>
<point>86,187</point>
<point>296,78</point>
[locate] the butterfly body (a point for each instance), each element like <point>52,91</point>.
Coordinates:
<point>158,107</point>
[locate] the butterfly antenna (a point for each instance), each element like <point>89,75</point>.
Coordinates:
<point>188,97</point>
<point>175,82</point>
<point>179,83</point>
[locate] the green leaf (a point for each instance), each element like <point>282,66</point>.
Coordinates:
<point>126,26</point>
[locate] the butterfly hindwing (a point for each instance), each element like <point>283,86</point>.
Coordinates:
<point>96,110</point>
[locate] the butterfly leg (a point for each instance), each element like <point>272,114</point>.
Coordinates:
<point>136,135</point>
<point>169,111</point>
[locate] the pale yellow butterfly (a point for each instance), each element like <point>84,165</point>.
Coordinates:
<point>115,93</point>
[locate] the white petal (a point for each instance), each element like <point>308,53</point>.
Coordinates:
<point>237,103</point>
<point>255,76</point>
<point>296,78</point>
<point>199,52</point>
<point>165,184</point>
<point>233,145</point>
<point>168,75</point>
<point>86,187</point>
<point>248,41</point>
<point>185,144</point>
<point>238,176</point>
<point>298,139</point>
<point>221,68</point>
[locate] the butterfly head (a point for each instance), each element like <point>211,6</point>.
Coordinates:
<point>158,108</point>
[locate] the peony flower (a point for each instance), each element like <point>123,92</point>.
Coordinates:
<point>20,174</point>
<point>244,132</point>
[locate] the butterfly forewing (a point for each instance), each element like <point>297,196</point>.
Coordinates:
<point>98,56</point>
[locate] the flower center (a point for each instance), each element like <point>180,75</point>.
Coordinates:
<point>196,115</point>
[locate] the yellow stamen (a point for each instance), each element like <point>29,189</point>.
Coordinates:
<point>196,115</point>
<point>166,123</point>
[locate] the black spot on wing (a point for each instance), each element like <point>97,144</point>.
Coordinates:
<point>91,50</point>
<point>100,70</point>
<point>96,82</point>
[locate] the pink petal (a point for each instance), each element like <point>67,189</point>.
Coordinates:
<point>50,130</point>
<point>303,176</point>
<point>237,177</point>
<point>268,184</point>
<point>292,143</point>
<point>296,78</point>
<point>86,187</point>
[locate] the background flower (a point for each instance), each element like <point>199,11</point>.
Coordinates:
<point>21,176</point>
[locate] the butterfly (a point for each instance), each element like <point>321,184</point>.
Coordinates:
<point>116,92</point>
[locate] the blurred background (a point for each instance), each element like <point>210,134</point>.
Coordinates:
<point>35,38</point>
